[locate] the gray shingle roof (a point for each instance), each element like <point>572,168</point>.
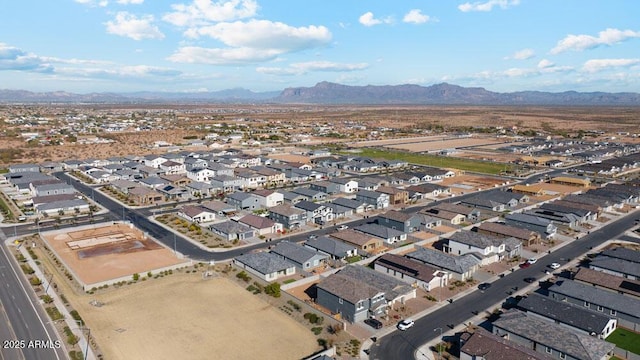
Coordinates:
<point>330,246</point>
<point>263,262</point>
<point>617,265</point>
<point>354,283</point>
<point>478,240</point>
<point>566,313</point>
<point>623,253</point>
<point>294,252</point>
<point>438,259</point>
<point>380,231</point>
<point>488,346</point>
<point>597,296</point>
<point>555,336</point>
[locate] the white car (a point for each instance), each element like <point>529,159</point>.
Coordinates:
<point>405,324</point>
<point>343,227</point>
<point>554,266</point>
<point>532,260</point>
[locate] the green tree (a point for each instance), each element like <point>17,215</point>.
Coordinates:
<point>273,289</point>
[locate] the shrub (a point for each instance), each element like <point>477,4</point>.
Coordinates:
<point>317,330</point>
<point>136,277</point>
<point>273,290</point>
<point>27,269</point>
<point>243,276</point>
<point>46,299</point>
<point>35,281</point>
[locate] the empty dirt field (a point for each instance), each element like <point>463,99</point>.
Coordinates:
<point>448,143</point>
<point>99,254</point>
<point>181,316</point>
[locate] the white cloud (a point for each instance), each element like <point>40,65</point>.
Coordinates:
<point>129,25</point>
<point>13,58</point>
<point>231,56</point>
<point>202,12</point>
<point>265,35</point>
<point>101,3</point>
<point>487,5</point>
<point>582,42</point>
<point>523,54</point>
<point>127,2</point>
<point>415,16</point>
<point>367,19</point>
<point>311,66</point>
<point>596,65</point>
<point>544,64</point>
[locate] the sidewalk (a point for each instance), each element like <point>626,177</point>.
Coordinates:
<point>76,328</point>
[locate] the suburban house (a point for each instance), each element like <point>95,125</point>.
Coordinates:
<point>231,230</point>
<point>262,225</point>
<point>345,185</point>
<point>243,201</point>
<point>357,293</point>
<point>492,249</point>
<point>143,195</point>
<point>626,309</point>
<point>608,282</point>
<point>199,189</point>
<point>407,223</point>
<point>458,267</point>
<point>550,338</point>
<point>268,198</point>
<point>527,237</point>
<point>483,345</point>
<point>310,194</point>
<point>302,257</point>
<point>334,249</point>
<point>52,189</point>
<point>470,214</point>
<point>325,187</point>
<point>357,206</point>
<point>196,214</point>
<point>396,196</point>
<point>573,316</point>
<point>218,207</point>
<point>542,226</point>
<point>318,213</point>
<point>446,216</point>
<point>289,216</point>
<point>201,174</point>
<point>617,266</point>
<point>266,266</point>
<point>364,242</point>
<point>389,235</point>
<point>291,197</point>
<point>63,206</point>
<point>339,212</point>
<point>413,272</point>
<point>417,192</point>
<point>172,192</point>
<point>226,183</point>
<point>379,200</point>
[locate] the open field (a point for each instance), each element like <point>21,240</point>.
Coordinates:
<point>292,120</point>
<point>181,316</point>
<point>448,143</point>
<point>100,254</point>
<point>486,167</point>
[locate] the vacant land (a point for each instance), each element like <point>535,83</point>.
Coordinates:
<point>181,316</point>
<point>486,167</point>
<point>98,254</point>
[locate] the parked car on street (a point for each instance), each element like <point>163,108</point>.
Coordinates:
<point>484,286</point>
<point>343,227</point>
<point>532,260</point>
<point>405,324</point>
<point>554,266</point>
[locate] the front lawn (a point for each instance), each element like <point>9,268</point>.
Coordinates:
<point>626,339</point>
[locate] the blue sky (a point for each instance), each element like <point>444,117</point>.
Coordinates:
<point>264,45</point>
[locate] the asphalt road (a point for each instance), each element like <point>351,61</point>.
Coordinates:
<point>22,323</point>
<point>403,345</point>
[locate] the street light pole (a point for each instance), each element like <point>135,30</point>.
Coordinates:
<point>174,245</point>
<point>438,344</point>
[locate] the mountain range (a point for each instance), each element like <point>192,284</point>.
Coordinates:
<point>331,93</point>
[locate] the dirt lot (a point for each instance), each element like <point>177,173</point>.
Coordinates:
<point>182,316</point>
<point>449,143</point>
<point>115,251</point>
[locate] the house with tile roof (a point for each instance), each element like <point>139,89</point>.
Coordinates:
<point>289,216</point>
<point>197,214</point>
<point>608,282</point>
<point>407,223</point>
<point>367,243</point>
<point>489,248</point>
<point>232,230</point>
<point>526,237</point>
